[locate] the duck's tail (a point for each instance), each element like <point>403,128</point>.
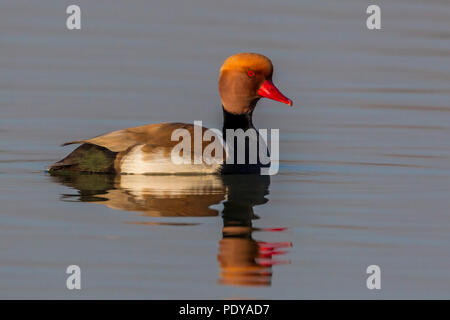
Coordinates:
<point>87,158</point>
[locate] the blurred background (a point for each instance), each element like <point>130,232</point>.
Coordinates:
<point>364,176</point>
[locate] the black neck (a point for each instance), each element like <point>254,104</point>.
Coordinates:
<point>234,122</point>
<point>237,121</point>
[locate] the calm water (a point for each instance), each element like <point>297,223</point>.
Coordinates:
<point>365,171</point>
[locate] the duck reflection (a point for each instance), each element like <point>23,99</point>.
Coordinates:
<point>152,196</point>
<point>242,260</point>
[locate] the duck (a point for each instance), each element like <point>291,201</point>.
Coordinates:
<point>244,79</point>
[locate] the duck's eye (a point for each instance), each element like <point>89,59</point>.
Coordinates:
<point>250,73</point>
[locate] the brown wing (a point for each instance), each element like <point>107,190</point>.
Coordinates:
<point>153,134</point>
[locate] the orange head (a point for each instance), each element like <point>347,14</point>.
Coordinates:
<point>244,79</point>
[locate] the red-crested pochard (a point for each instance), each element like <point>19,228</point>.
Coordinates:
<point>244,79</point>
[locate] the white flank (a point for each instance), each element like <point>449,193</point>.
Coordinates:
<point>138,162</point>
